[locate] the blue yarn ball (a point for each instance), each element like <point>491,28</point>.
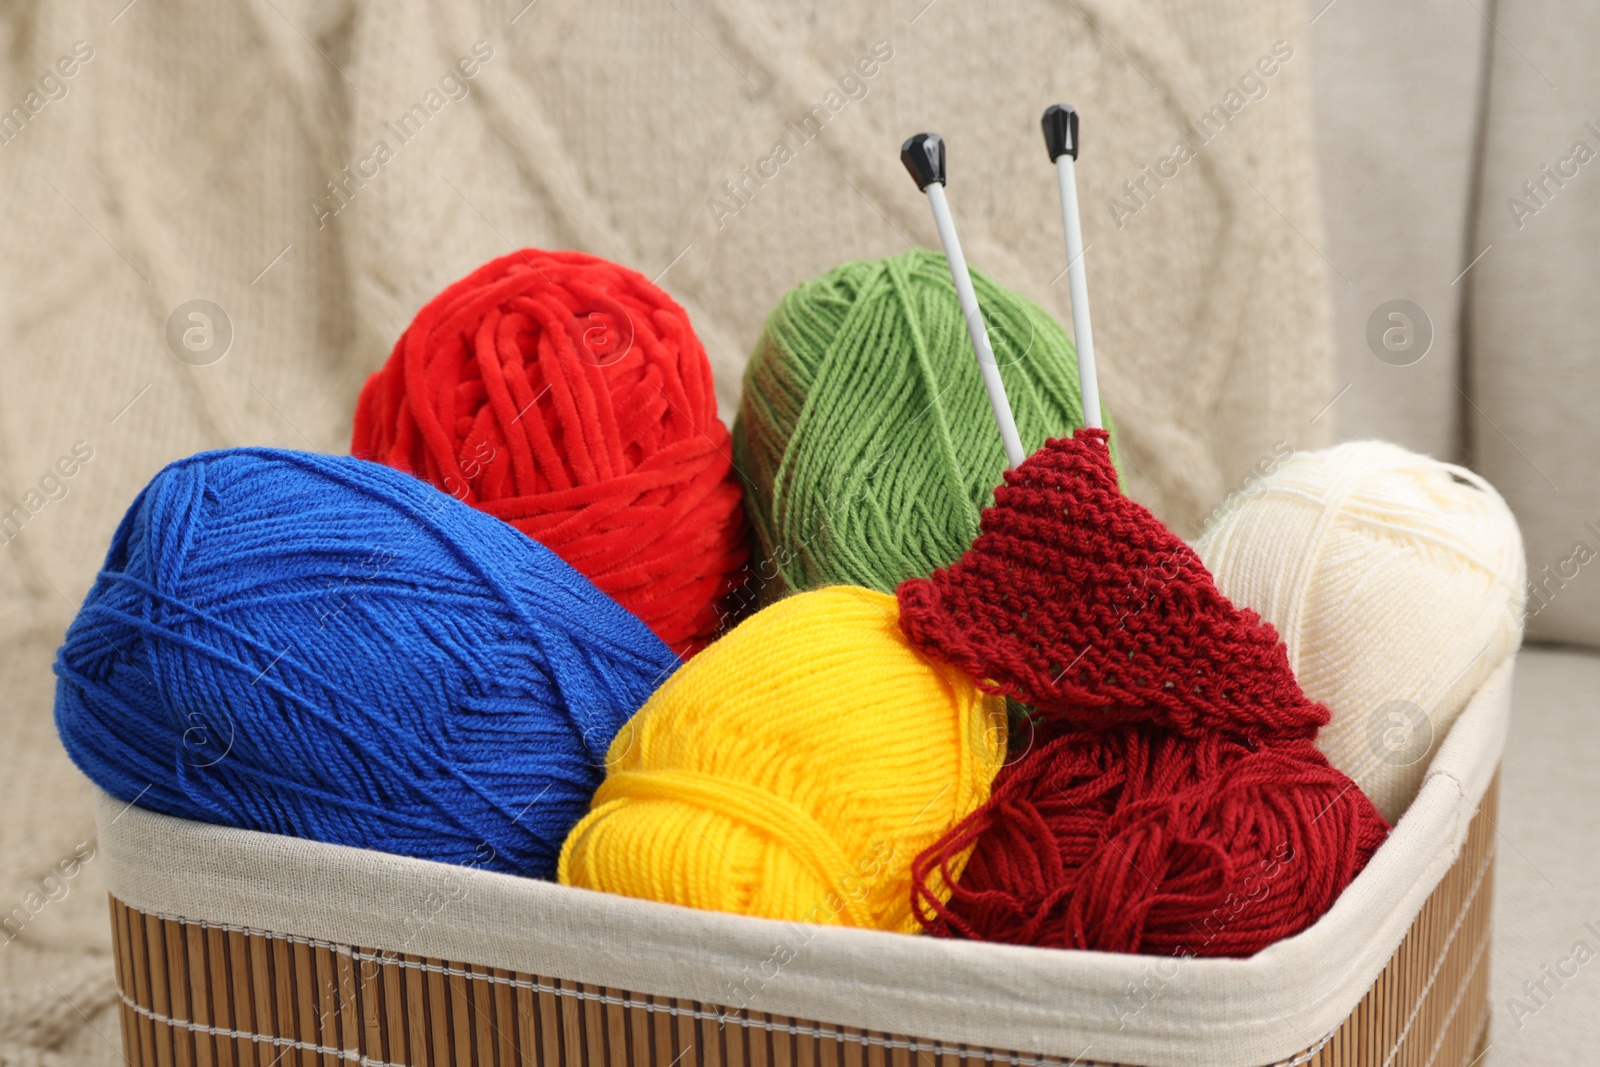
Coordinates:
<point>324,647</point>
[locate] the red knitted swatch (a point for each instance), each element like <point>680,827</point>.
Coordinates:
<point>1173,801</point>
<point>570,397</point>
<point>1079,602</point>
<point>1137,839</point>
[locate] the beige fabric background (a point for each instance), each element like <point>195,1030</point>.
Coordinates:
<point>1430,116</point>
<point>1398,89</point>
<point>181,160</point>
<point>1535,322</point>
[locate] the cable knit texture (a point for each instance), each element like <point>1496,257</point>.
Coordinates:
<point>1079,602</point>
<point>182,160</point>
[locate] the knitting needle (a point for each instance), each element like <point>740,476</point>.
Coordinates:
<point>923,156</point>
<point>1060,124</point>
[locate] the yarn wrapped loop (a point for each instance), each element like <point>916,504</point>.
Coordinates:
<point>324,647</point>
<point>865,433</point>
<point>793,770</point>
<point>1397,582</point>
<point>570,397</point>
<point>1136,839</point>
<point>1177,803</point>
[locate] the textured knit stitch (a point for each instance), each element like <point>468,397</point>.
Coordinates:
<point>327,648</point>
<point>865,434</point>
<point>1174,801</point>
<point>1079,602</point>
<point>793,770</point>
<point>570,397</point>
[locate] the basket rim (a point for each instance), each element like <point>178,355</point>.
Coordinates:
<point>1263,1009</point>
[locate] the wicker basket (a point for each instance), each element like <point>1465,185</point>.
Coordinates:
<point>241,948</point>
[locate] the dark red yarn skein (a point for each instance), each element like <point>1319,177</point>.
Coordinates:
<point>1138,839</point>
<point>570,397</point>
<point>1173,801</point>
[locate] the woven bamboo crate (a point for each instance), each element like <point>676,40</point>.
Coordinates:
<point>197,993</point>
<point>210,972</point>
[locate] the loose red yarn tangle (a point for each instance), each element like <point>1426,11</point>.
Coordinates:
<point>1138,839</point>
<point>1079,602</point>
<point>1173,801</point>
<point>570,397</point>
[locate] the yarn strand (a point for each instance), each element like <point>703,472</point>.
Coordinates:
<point>327,648</point>
<point>793,770</point>
<point>1176,804</point>
<point>569,397</point>
<point>865,434</point>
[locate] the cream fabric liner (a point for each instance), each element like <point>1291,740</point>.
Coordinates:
<point>1058,1003</point>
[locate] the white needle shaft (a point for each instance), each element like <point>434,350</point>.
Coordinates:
<point>976,327</point>
<point>1077,279</point>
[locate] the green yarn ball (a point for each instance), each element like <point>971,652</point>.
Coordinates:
<point>865,436</point>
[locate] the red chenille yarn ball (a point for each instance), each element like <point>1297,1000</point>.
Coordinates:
<point>570,397</point>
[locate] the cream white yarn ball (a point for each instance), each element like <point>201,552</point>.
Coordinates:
<point>1397,582</point>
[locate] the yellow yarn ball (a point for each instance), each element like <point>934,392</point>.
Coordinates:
<point>793,770</point>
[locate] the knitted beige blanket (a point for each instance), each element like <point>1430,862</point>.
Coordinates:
<point>314,170</point>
